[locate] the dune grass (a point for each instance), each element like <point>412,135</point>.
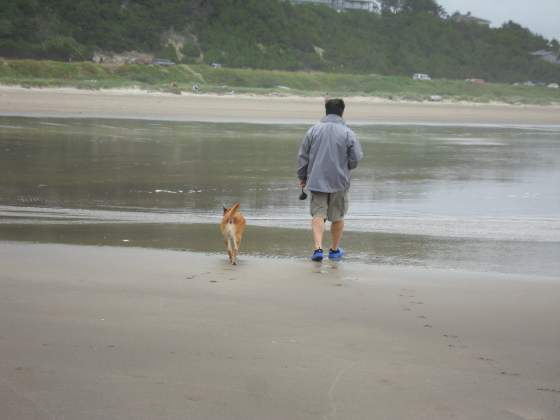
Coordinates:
<point>87,75</point>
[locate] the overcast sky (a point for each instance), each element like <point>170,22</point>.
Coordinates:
<point>541,16</point>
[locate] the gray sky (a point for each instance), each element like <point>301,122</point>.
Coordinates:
<point>541,16</point>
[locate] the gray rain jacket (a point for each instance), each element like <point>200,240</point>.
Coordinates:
<point>329,151</point>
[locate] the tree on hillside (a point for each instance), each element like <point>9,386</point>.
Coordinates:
<point>390,6</point>
<point>423,6</point>
<point>408,36</point>
<point>411,6</point>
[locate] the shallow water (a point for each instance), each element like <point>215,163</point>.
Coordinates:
<point>485,199</point>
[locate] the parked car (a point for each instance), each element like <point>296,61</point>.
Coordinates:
<point>216,65</point>
<point>554,86</point>
<point>164,62</point>
<point>476,81</point>
<point>421,76</point>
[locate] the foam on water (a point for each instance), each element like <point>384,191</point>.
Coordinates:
<point>53,124</point>
<point>11,127</point>
<point>470,141</point>
<point>485,228</point>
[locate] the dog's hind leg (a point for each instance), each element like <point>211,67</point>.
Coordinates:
<point>228,250</point>
<point>237,243</point>
<point>232,250</point>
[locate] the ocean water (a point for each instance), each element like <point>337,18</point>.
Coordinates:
<point>475,198</point>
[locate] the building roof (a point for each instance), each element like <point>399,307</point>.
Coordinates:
<point>468,18</point>
<point>369,5</point>
<point>549,56</point>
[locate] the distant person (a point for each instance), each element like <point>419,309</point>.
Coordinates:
<point>330,150</point>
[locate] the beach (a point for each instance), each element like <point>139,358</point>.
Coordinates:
<point>131,104</point>
<point>129,333</point>
<point>117,302</point>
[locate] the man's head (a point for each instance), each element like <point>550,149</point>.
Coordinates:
<point>334,106</point>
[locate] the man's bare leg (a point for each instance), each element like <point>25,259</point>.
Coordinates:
<point>318,225</point>
<point>336,233</point>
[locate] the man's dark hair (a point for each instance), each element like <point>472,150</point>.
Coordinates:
<point>335,106</point>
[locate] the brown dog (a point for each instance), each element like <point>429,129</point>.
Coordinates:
<point>232,227</point>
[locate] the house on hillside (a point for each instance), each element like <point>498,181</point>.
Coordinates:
<point>549,56</point>
<point>340,5</point>
<point>368,5</point>
<point>468,18</point>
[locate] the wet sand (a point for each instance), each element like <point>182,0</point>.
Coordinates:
<point>129,333</point>
<point>74,103</point>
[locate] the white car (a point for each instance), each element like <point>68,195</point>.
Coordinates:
<point>421,76</point>
<point>163,62</point>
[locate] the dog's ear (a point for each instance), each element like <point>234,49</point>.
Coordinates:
<point>225,209</point>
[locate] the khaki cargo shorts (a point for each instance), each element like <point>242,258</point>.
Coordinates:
<point>329,206</point>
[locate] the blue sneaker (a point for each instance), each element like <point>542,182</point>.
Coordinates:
<point>336,255</point>
<point>317,255</point>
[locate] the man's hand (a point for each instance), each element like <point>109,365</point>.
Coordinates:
<point>302,183</point>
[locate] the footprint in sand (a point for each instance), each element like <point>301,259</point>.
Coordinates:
<point>506,373</point>
<point>555,391</point>
<point>458,344</point>
<point>192,276</point>
<point>422,317</point>
<point>414,302</point>
<point>495,365</point>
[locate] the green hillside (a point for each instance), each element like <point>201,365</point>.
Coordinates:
<point>408,36</point>
<point>181,78</point>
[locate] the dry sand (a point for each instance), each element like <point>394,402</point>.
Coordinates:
<point>74,103</point>
<point>92,333</point>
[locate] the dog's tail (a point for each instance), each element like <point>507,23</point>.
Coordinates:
<point>230,212</point>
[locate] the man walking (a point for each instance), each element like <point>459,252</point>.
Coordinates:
<point>330,150</point>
